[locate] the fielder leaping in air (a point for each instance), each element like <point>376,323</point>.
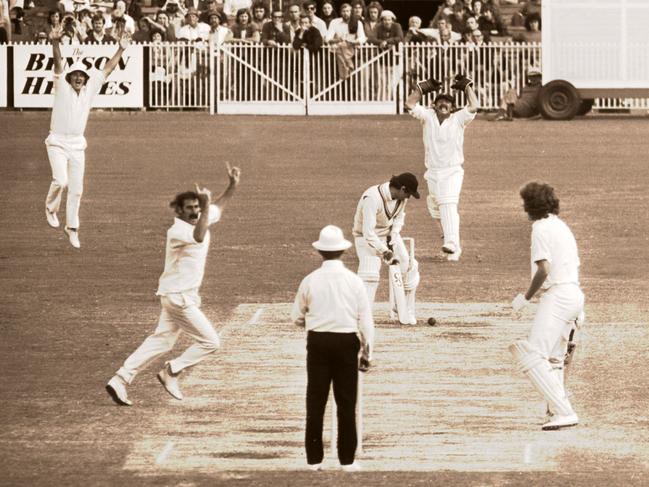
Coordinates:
<point>66,144</point>
<point>380,216</point>
<point>555,273</point>
<point>188,241</point>
<point>443,132</point>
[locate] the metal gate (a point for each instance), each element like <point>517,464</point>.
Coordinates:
<point>255,79</point>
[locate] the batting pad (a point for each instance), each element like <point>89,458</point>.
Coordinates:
<point>540,373</point>
<point>450,223</point>
<point>369,268</point>
<point>411,278</point>
<point>433,209</point>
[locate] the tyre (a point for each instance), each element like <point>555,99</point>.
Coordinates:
<point>586,106</point>
<point>559,100</point>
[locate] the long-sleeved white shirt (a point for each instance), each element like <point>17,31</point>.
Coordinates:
<point>443,143</point>
<point>553,241</point>
<point>378,215</point>
<point>70,110</point>
<point>338,27</point>
<point>333,299</point>
<point>185,257</point>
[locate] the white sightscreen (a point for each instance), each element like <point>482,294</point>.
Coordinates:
<point>596,43</point>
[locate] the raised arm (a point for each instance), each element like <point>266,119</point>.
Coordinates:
<point>234,173</point>
<point>472,99</point>
<point>55,37</point>
<point>124,42</point>
<point>422,87</point>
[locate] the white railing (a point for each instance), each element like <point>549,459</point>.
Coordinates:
<point>179,75</point>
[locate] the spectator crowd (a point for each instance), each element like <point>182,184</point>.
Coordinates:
<point>306,24</point>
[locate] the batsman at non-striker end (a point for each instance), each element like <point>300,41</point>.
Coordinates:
<point>555,275</point>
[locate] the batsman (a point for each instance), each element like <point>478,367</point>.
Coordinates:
<point>443,133</point>
<point>554,260</point>
<point>380,216</point>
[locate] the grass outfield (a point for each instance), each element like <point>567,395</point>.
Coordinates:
<point>69,318</point>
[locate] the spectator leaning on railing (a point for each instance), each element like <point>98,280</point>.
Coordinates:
<point>532,31</point>
<point>243,30</point>
<point>373,20</point>
<point>389,32</point>
<point>218,28</point>
<point>276,32</point>
<point>294,12</point>
<point>307,36</point>
<point>193,30</point>
<point>310,8</point>
<point>414,34</point>
<point>259,15</point>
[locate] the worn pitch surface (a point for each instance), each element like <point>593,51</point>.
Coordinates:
<point>443,405</point>
<point>439,398</point>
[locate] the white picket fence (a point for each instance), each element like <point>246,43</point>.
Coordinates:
<point>254,79</point>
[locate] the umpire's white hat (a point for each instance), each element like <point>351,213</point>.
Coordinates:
<point>331,240</point>
<point>77,66</point>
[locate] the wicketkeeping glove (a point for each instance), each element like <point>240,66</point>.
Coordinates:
<point>461,82</point>
<point>426,86</point>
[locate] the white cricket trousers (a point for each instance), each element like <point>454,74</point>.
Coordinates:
<point>68,166</point>
<point>444,188</point>
<point>180,312</point>
<point>555,318</point>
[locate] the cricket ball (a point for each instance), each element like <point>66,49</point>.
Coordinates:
<point>432,321</point>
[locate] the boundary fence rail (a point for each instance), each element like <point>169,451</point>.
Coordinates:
<point>255,79</point>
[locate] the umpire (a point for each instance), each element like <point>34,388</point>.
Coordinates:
<point>332,305</point>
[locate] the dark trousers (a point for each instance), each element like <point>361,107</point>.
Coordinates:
<point>331,357</point>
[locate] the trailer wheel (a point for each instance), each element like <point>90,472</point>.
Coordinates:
<point>559,100</point>
<point>586,106</point>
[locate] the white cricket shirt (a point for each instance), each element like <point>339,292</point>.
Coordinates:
<point>378,215</point>
<point>338,27</point>
<point>333,299</point>
<point>443,143</point>
<point>553,241</point>
<point>185,257</point>
<point>70,110</point>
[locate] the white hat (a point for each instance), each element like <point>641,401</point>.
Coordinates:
<point>77,66</point>
<point>388,13</point>
<point>331,240</point>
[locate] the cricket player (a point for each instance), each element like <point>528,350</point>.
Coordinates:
<point>380,216</point>
<point>188,242</point>
<point>66,144</point>
<point>443,133</point>
<point>332,305</point>
<point>555,275</point>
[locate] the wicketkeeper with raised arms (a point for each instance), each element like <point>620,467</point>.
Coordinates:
<point>379,218</point>
<point>443,133</point>
<point>188,241</point>
<point>555,276</point>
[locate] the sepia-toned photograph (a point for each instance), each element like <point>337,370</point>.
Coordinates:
<point>324,243</point>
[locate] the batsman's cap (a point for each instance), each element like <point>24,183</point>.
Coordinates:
<point>77,66</point>
<point>444,96</point>
<point>534,71</point>
<point>331,240</point>
<point>407,180</point>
